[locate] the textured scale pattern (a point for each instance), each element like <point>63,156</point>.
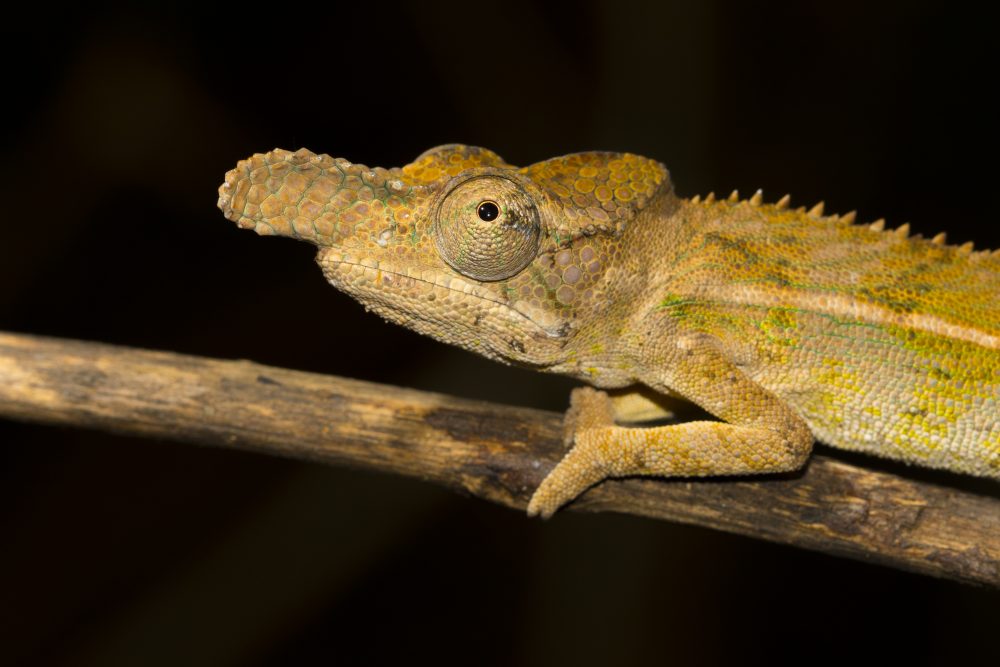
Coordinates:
<point>787,325</point>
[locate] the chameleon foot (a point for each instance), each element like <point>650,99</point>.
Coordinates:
<point>590,410</point>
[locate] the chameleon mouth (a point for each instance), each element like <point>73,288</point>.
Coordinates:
<point>373,278</point>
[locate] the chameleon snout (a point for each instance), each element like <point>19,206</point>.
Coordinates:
<point>309,197</point>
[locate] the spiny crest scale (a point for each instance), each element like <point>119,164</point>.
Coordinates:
<point>903,232</point>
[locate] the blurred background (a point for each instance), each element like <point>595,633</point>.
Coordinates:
<point>119,125</point>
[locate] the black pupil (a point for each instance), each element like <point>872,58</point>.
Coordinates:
<point>488,211</point>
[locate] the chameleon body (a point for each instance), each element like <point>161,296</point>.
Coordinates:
<point>787,325</point>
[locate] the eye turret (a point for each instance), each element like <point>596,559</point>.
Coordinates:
<point>487,228</point>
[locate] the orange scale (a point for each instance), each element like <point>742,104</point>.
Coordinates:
<point>310,209</point>
<point>297,180</point>
<point>564,257</point>
<point>342,200</point>
<point>321,191</point>
<point>303,227</point>
<point>273,183</point>
<point>571,275</point>
<point>288,195</point>
<point>280,225</point>
<point>271,207</point>
<point>624,193</point>
<point>598,214</point>
<point>324,228</point>
<point>565,294</point>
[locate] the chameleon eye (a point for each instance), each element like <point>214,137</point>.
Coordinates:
<point>476,240</point>
<point>488,211</point>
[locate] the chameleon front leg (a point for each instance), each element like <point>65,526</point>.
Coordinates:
<point>759,434</point>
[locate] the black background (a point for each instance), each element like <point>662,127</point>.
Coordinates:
<point>119,125</point>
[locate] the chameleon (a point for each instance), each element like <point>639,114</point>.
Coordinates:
<point>785,325</point>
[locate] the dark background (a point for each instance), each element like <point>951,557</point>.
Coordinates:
<point>119,125</point>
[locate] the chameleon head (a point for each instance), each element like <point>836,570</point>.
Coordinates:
<point>458,245</point>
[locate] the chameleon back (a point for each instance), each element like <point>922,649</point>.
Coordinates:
<point>882,342</point>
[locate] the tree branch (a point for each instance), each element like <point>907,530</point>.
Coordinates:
<point>495,452</point>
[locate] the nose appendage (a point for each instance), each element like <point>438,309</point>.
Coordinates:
<point>310,197</point>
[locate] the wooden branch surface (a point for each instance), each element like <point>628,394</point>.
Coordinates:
<point>495,452</point>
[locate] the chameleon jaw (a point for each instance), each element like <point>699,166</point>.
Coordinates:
<point>429,301</point>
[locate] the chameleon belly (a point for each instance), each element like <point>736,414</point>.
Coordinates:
<point>932,401</point>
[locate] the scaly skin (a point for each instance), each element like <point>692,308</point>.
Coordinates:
<point>787,325</point>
